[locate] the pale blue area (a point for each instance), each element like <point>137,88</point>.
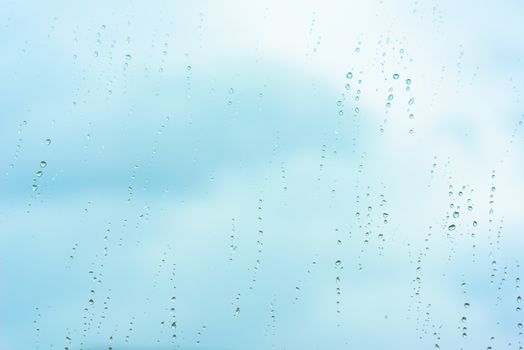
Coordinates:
<point>157,159</point>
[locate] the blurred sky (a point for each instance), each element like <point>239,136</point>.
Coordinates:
<point>266,174</point>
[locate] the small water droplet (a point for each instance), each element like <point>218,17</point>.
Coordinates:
<point>451,227</point>
<point>395,76</point>
<point>129,57</point>
<point>48,141</point>
<point>43,164</point>
<point>349,75</point>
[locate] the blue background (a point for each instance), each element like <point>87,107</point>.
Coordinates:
<point>213,164</point>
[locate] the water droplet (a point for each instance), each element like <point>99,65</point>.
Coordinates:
<point>349,75</point>
<point>128,57</point>
<point>48,141</point>
<point>173,325</point>
<point>395,76</point>
<point>390,97</point>
<point>451,227</point>
<point>91,301</point>
<point>237,311</point>
<point>456,214</point>
<point>408,81</point>
<point>231,91</point>
<point>43,164</point>
<point>39,173</point>
<point>466,305</point>
<point>411,101</point>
